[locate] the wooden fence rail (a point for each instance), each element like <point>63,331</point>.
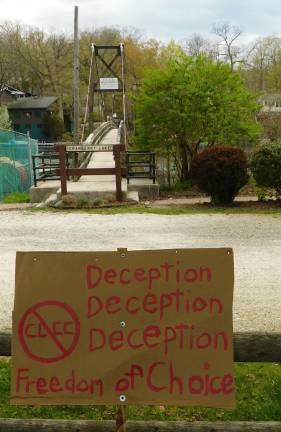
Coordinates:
<point>248,347</point>
<point>24,425</point>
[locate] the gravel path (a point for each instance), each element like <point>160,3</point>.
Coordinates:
<point>256,241</point>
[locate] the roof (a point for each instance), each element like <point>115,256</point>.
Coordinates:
<point>270,97</point>
<point>33,102</point>
<point>11,90</point>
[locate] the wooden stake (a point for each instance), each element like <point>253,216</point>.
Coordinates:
<point>121,419</point>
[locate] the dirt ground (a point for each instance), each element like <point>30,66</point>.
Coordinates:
<point>256,240</point>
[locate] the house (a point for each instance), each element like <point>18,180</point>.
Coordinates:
<point>8,94</point>
<point>27,114</point>
<point>271,103</point>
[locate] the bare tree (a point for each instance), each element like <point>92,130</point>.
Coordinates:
<point>47,58</point>
<point>228,35</point>
<point>198,45</point>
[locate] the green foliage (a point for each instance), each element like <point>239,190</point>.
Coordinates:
<point>67,137</point>
<point>220,172</point>
<point>53,126</point>
<point>5,122</point>
<point>82,202</point>
<point>97,202</point>
<point>266,166</point>
<point>193,101</point>
<point>17,197</point>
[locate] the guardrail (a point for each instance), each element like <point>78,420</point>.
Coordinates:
<point>45,166</point>
<point>140,165</point>
<point>248,347</point>
<point>46,163</point>
<point>25,425</point>
<point>46,148</point>
<point>65,172</point>
<point>94,139</point>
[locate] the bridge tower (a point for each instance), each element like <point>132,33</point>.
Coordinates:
<point>106,84</point>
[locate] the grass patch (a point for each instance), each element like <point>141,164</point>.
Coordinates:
<point>171,210</point>
<point>258,399</point>
<point>17,197</point>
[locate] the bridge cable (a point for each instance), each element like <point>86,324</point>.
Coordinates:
<point>88,95</point>
<point>123,93</point>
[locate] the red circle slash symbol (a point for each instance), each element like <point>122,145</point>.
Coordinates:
<point>59,336</point>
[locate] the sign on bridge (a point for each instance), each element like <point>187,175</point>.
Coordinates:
<point>138,327</point>
<point>93,148</point>
<point>109,84</point>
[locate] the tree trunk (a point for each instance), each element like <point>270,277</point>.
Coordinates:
<point>168,170</point>
<point>60,107</point>
<point>184,162</point>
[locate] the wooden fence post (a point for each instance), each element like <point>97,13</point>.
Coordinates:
<point>63,177</point>
<point>118,171</point>
<point>121,419</point>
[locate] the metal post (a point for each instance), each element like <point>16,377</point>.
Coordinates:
<point>91,91</point>
<point>118,171</point>
<point>30,156</point>
<point>34,171</point>
<point>123,94</point>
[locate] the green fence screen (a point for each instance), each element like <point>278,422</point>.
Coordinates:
<point>16,152</point>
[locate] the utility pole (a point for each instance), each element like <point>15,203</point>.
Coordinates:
<point>76,78</point>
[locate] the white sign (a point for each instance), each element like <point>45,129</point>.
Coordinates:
<point>94,148</point>
<point>109,84</point>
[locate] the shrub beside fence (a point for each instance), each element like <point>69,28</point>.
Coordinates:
<point>16,151</point>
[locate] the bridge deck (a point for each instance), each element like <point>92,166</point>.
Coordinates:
<point>90,187</point>
<point>101,184</point>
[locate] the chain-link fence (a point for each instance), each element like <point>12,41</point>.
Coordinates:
<point>16,152</point>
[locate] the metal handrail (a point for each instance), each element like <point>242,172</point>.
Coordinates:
<point>46,170</point>
<point>145,160</point>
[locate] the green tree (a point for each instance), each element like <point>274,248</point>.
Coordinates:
<point>53,126</point>
<point>5,122</point>
<point>194,101</point>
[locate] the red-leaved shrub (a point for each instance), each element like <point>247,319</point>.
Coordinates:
<point>220,172</point>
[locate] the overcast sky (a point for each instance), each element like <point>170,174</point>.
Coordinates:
<point>162,19</point>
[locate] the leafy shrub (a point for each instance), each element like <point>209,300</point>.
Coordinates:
<point>97,202</point>
<point>220,172</point>
<point>5,122</point>
<point>67,137</point>
<point>53,126</point>
<point>266,166</point>
<point>82,202</point>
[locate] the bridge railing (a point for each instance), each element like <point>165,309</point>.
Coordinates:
<point>45,163</point>
<point>140,165</point>
<point>65,172</point>
<point>94,139</point>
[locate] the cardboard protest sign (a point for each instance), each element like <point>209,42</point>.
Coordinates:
<point>136,327</point>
